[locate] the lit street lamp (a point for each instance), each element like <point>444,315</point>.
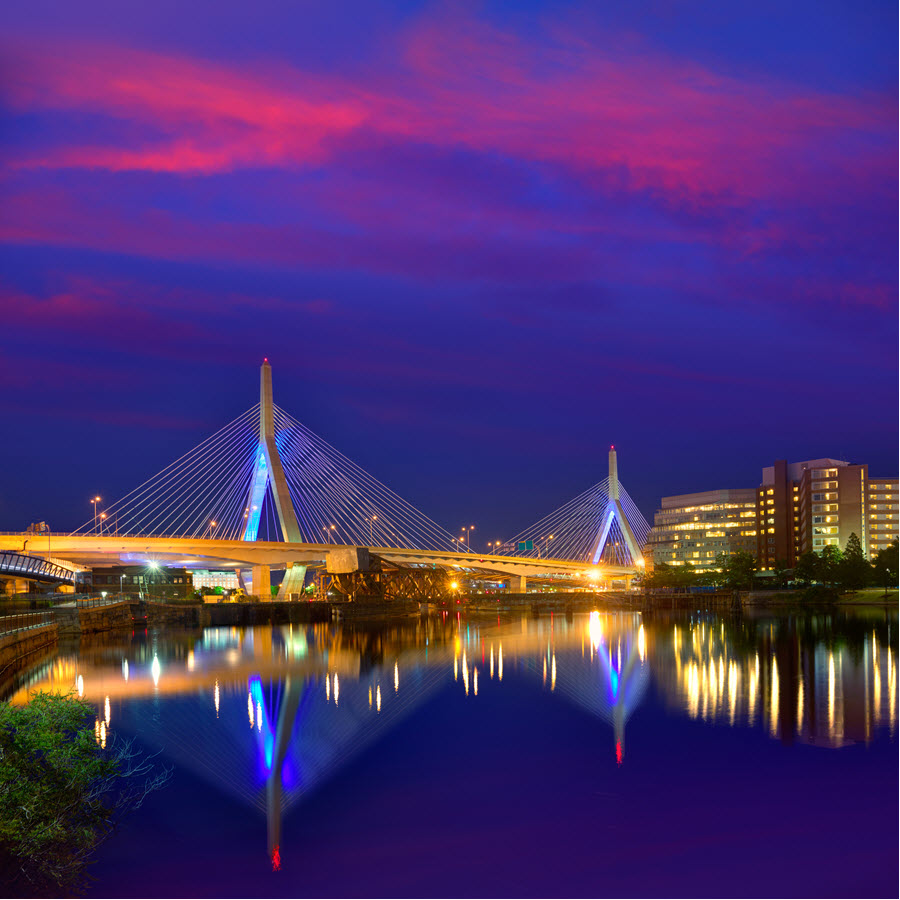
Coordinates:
<point>95,501</point>
<point>467,531</point>
<point>41,529</point>
<point>371,523</point>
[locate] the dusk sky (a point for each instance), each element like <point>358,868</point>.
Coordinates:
<point>479,242</point>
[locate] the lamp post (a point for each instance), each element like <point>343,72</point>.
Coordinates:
<point>95,501</point>
<point>102,520</point>
<point>41,529</point>
<point>371,526</point>
<point>467,532</point>
<point>209,528</point>
<point>151,567</point>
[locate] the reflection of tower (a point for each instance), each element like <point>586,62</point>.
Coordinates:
<point>623,675</point>
<point>274,743</point>
<point>620,680</point>
<point>613,514</point>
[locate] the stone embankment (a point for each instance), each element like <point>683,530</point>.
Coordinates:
<point>73,621</point>
<point>20,649</point>
<point>192,615</point>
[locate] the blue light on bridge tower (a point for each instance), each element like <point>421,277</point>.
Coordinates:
<point>257,495</point>
<point>604,534</point>
<point>268,471</point>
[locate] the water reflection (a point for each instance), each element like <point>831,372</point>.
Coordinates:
<point>815,678</point>
<point>268,713</point>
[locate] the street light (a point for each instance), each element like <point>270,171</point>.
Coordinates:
<point>152,566</point>
<point>210,527</point>
<point>42,528</point>
<point>371,522</point>
<point>95,501</point>
<point>467,531</point>
<point>102,519</point>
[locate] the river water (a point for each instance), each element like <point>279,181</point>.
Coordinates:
<point>610,754</point>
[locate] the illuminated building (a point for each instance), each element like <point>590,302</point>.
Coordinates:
<point>881,513</point>
<point>810,505</point>
<point>140,580</point>
<point>693,529</point>
<point>226,579</point>
<point>799,507</point>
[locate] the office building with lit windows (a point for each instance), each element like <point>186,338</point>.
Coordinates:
<point>693,529</point>
<point>818,503</point>
<point>882,514</point>
<point>799,507</point>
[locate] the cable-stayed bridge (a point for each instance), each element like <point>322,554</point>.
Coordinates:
<point>266,492</point>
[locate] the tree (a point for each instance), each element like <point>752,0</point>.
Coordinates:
<point>60,792</point>
<point>853,569</point>
<point>830,565</point>
<point>886,566</point>
<point>737,569</point>
<point>808,568</point>
<point>781,570</point>
<point>666,576</point>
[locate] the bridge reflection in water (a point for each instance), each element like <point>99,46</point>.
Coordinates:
<point>267,714</point>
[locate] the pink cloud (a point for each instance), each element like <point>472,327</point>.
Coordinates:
<point>672,125</point>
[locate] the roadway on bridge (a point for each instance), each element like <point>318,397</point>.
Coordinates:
<point>187,552</point>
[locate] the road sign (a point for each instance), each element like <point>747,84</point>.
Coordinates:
<point>526,545</point>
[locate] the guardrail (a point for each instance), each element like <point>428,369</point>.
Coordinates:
<point>91,602</point>
<point>9,624</point>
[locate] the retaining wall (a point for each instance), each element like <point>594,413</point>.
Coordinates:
<point>73,621</point>
<point>17,650</point>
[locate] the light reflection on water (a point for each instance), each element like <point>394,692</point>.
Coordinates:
<point>315,696</point>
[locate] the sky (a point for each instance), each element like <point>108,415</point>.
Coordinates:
<point>479,242</point>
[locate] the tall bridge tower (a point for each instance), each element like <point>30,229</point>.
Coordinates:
<point>615,513</point>
<point>268,472</point>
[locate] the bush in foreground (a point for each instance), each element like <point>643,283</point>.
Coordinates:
<point>60,793</point>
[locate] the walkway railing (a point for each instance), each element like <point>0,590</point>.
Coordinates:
<point>9,624</point>
<point>91,602</point>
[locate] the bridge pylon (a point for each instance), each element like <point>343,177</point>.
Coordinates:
<point>268,472</point>
<point>615,513</point>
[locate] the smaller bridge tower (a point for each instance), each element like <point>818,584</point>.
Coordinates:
<point>615,514</point>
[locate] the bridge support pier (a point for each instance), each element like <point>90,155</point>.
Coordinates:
<point>294,577</point>
<point>261,582</point>
<point>517,584</point>
<point>13,586</point>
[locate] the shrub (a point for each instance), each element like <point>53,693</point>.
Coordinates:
<point>60,792</point>
<point>819,593</point>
